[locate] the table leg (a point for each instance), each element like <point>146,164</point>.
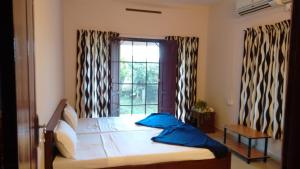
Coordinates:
<point>266,149</point>
<point>249,150</point>
<point>239,138</point>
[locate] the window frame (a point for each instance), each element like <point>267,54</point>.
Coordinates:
<point>132,105</point>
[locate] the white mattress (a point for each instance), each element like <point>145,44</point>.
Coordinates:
<point>112,149</point>
<point>112,142</point>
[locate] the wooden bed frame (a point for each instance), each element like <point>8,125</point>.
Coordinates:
<point>51,152</point>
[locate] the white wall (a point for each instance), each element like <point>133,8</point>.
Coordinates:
<point>110,15</point>
<point>48,61</point>
<point>224,61</point>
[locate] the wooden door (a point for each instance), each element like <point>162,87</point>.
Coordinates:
<point>8,146</point>
<point>27,123</point>
<point>291,147</point>
<point>167,76</point>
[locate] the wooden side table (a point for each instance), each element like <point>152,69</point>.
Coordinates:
<point>245,151</point>
<point>205,121</point>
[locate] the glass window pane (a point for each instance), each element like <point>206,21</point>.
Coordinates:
<point>125,109</point>
<point>152,94</point>
<point>152,72</point>
<point>139,73</point>
<point>125,94</point>
<point>139,51</point>
<point>135,73</point>
<point>138,109</point>
<point>125,72</point>
<point>138,94</point>
<point>151,109</point>
<point>126,51</point>
<point>152,52</point>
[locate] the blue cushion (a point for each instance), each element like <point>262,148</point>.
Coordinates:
<point>187,135</point>
<point>160,120</point>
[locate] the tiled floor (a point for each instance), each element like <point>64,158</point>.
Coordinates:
<point>239,163</point>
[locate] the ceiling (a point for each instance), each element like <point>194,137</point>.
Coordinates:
<point>174,2</point>
<point>193,1</point>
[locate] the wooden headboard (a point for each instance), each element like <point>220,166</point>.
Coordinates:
<point>50,149</point>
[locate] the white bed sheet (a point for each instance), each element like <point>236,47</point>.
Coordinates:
<point>112,149</point>
<point>87,125</point>
<point>112,124</point>
<point>109,124</point>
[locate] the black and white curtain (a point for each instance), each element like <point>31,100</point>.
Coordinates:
<point>264,71</point>
<point>93,73</point>
<point>186,75</point>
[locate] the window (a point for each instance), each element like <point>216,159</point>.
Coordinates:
<point>138,77</point>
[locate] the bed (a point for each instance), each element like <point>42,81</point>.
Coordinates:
<point>117,143</point>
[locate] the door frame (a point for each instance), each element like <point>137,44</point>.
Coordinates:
<point>19,123</point>
<point>27,122</point>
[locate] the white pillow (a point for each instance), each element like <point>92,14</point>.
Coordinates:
<point>70,116</point>
<point>65,139</point>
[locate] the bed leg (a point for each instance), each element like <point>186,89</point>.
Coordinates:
<point>225,135</point>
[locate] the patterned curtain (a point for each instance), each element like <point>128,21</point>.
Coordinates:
<point>186,75</point>
<point>264,71</point>
<point>93,73</point>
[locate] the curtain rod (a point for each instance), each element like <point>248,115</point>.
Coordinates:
<point>143,10</point>
<point>139,39</point>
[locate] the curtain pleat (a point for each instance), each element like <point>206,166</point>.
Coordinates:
<point>93,77</point>
<point>263,82</point>
<point>186,75</point>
